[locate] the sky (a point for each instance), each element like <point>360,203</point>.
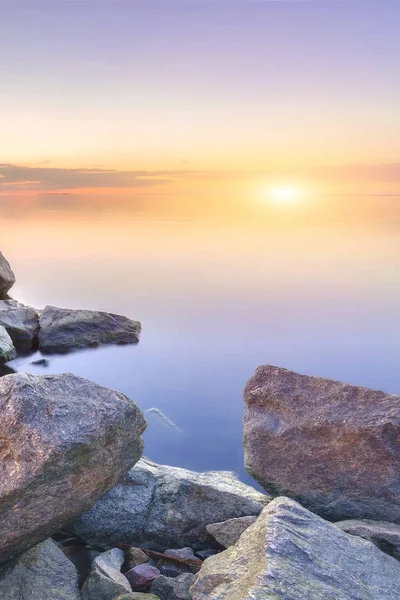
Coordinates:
<point>156,95</point>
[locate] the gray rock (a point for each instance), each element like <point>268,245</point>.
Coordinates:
<point>137,596</point>
<point>7,350</point>
<point>173,588</point>
<point>291,554</point>
<point>163,507</point>
<point>134,557</point>
<point>42,573</point>
<point>62,330</point>
<point>228,532</point>
<point>170,569</point>
<point>384,535</point>
<point>333,447</point>
<point>21,322</point>
<point>7,277</point>
<point>203,554</point>
<point>106,580</point>
<point>65,441</point>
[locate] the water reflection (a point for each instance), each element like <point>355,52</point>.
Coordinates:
<point>220,285</point>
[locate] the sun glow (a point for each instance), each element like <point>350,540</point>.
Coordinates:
<point>285,194</point>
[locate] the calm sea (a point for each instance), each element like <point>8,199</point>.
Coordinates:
<point>221,285</point>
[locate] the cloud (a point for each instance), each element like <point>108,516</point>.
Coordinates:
<point>54,179</point>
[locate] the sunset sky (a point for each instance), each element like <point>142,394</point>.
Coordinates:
<point>143,94</point>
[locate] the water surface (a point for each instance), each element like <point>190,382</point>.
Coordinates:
<point>221,285</point>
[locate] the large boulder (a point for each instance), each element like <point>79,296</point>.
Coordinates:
<point>21,322</point>
<point>291,554</point>
<point>62,330</point>
<point>166,507</point>
<point>64,442</point>
<point>333,447</point>
<point>42,573</point>
<point>7,277</point>
<point>7,350</point>
<point>384,535</point>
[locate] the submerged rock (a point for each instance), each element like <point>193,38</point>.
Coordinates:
<point>65,441</point>
<point>62,330</point>
<point>166,507</point>
<point>7,277</point>
<point>21,322</point>
<point>332,446</point>
<point>228,532</point>
<point>106,581</point>
<point>386,536</point>
<point>7,350</point>
<point>173,588</point>
<point>291,554</point>
<point>42,573</point>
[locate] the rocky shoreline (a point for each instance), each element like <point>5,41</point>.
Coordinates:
<point>84,516</point>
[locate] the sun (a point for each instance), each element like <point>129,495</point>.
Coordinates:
<point>282,194</point>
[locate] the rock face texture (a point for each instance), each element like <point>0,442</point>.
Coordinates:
<point>228,532</point>
<point>173,588</point>
<point>64,442</point>
<point>106,581</point>
<point>384,535</point>
<point>166,507</point>
<point>7,277</point>
<point>42,573</point>
<point>291,554</point>
<point>7,350</point>
<point>62,330</point>
<point>21,322</point>
<point>333,447</point>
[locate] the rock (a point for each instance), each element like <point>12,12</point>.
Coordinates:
<point>83,558</point>
<point>135,556</point>
<point>137,596</point>
<point>62,330</point>
<point>41,362</point>
<point>166,507</point>
<point>6,370</point>
<point>228,532</point>
<point>7,277</point>
<point>106,580</point>
<point>142,576</point>
<point>333,447</point>
<point>291,554</point>
<point>42,573</point>
<point>21,322</point>
<point>65,441</point>
<point>7,350</point>
<point>203,554</point>
<point>170,569</point>
<point>173,588</point>
<point>384,535</point>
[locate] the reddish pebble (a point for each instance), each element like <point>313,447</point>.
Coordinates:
<point>142,576</point>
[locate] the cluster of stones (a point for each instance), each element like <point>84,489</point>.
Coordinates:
<point>83,516</point>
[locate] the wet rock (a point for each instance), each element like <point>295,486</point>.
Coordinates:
<point>65,441</point>
<point>228,532</point>
<point>41,362</point>
<point>21,323</point>
<point>291,554</point>
<point>7,350</point>
<point>332,446</point>
<point>42,573</point>
<point>166,507</point>
<point>7,277</point>
<point>62,330</point>
<point>170,569</point>
<point>106,581</point>
<point>384,535</point>
<point>142,576</point>
<point>173,588</point>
